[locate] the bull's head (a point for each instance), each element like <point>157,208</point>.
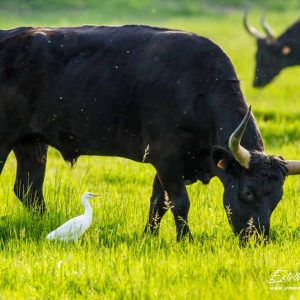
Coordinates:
<point>272,55</point>
<point>253,183</point>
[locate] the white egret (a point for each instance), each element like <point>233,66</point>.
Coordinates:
<point>75,228</point>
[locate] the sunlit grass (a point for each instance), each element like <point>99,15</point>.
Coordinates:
<point>114,260</point>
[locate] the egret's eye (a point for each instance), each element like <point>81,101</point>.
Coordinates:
<point>246,194</point>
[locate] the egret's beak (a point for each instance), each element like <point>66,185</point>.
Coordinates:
<point>95,195</point>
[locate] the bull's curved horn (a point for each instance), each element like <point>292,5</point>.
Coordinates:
<point>254,32</point>
<point>241,154</point>
<point>293,167</point>
<point>267,28</point>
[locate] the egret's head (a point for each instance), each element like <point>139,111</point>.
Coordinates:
<point>88,195</point>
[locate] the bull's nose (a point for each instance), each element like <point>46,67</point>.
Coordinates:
<point>259,234</point>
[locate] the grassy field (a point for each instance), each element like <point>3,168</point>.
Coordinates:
<point>114,260</point>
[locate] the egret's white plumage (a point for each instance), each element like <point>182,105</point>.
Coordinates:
<point>75,228</point>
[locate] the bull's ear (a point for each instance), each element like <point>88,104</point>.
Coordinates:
<point>223,159</point>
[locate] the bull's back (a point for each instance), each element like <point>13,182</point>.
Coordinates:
<point>109,88</point>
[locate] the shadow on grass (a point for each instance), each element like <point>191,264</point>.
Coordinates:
<point>111,236</point>
<point>27,226</point>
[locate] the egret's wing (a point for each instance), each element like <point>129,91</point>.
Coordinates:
<point>70,230</point>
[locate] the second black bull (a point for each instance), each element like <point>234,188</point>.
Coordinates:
<point>273,53</point>
<point>117,91</point>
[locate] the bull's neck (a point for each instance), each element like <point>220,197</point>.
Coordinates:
<point>294,58</point>
<point>296,50</point>
<point>228,113</point>
<point>291,38</point>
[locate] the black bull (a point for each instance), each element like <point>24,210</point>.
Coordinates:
<point>273,53</point>
<point>120,90</point>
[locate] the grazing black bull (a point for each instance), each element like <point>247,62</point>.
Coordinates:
<point>120,90</point>
<point>274,54</point>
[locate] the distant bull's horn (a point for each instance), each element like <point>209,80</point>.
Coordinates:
<point>267,28</point>
<point>251,29</point>
<point>241,154</point>
<point>293,167</point>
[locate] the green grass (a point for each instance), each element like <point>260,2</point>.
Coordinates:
<point>114,260</point>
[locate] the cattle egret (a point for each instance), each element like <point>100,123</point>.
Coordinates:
<point>75,228</point>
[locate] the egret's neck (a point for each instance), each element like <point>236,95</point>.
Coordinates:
<point>88,209</point>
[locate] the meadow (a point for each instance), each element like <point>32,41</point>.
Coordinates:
<point>114,260</point>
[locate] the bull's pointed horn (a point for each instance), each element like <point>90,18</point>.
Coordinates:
<point>293,167</point>
<point>271,35</point>
<point>241,154</point>
<point>252,31</point>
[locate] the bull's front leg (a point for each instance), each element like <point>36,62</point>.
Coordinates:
<point>31,165</point>
<point>158,207</point>
<point>170,177</point>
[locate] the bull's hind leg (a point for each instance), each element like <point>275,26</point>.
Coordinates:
<point>158,207</point>
<point>31,165</point>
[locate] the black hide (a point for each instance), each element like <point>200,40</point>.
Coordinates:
<point>117,91</point>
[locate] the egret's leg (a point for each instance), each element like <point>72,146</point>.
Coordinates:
<point>170,176</point>
<point>158,207</point>
<point>31,164</point>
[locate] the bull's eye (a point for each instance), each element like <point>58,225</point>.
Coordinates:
<point>246,194</point>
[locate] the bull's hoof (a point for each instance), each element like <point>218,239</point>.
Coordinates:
<point>151,230</point>
<point>184,235</point>
<point>36,208</point>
